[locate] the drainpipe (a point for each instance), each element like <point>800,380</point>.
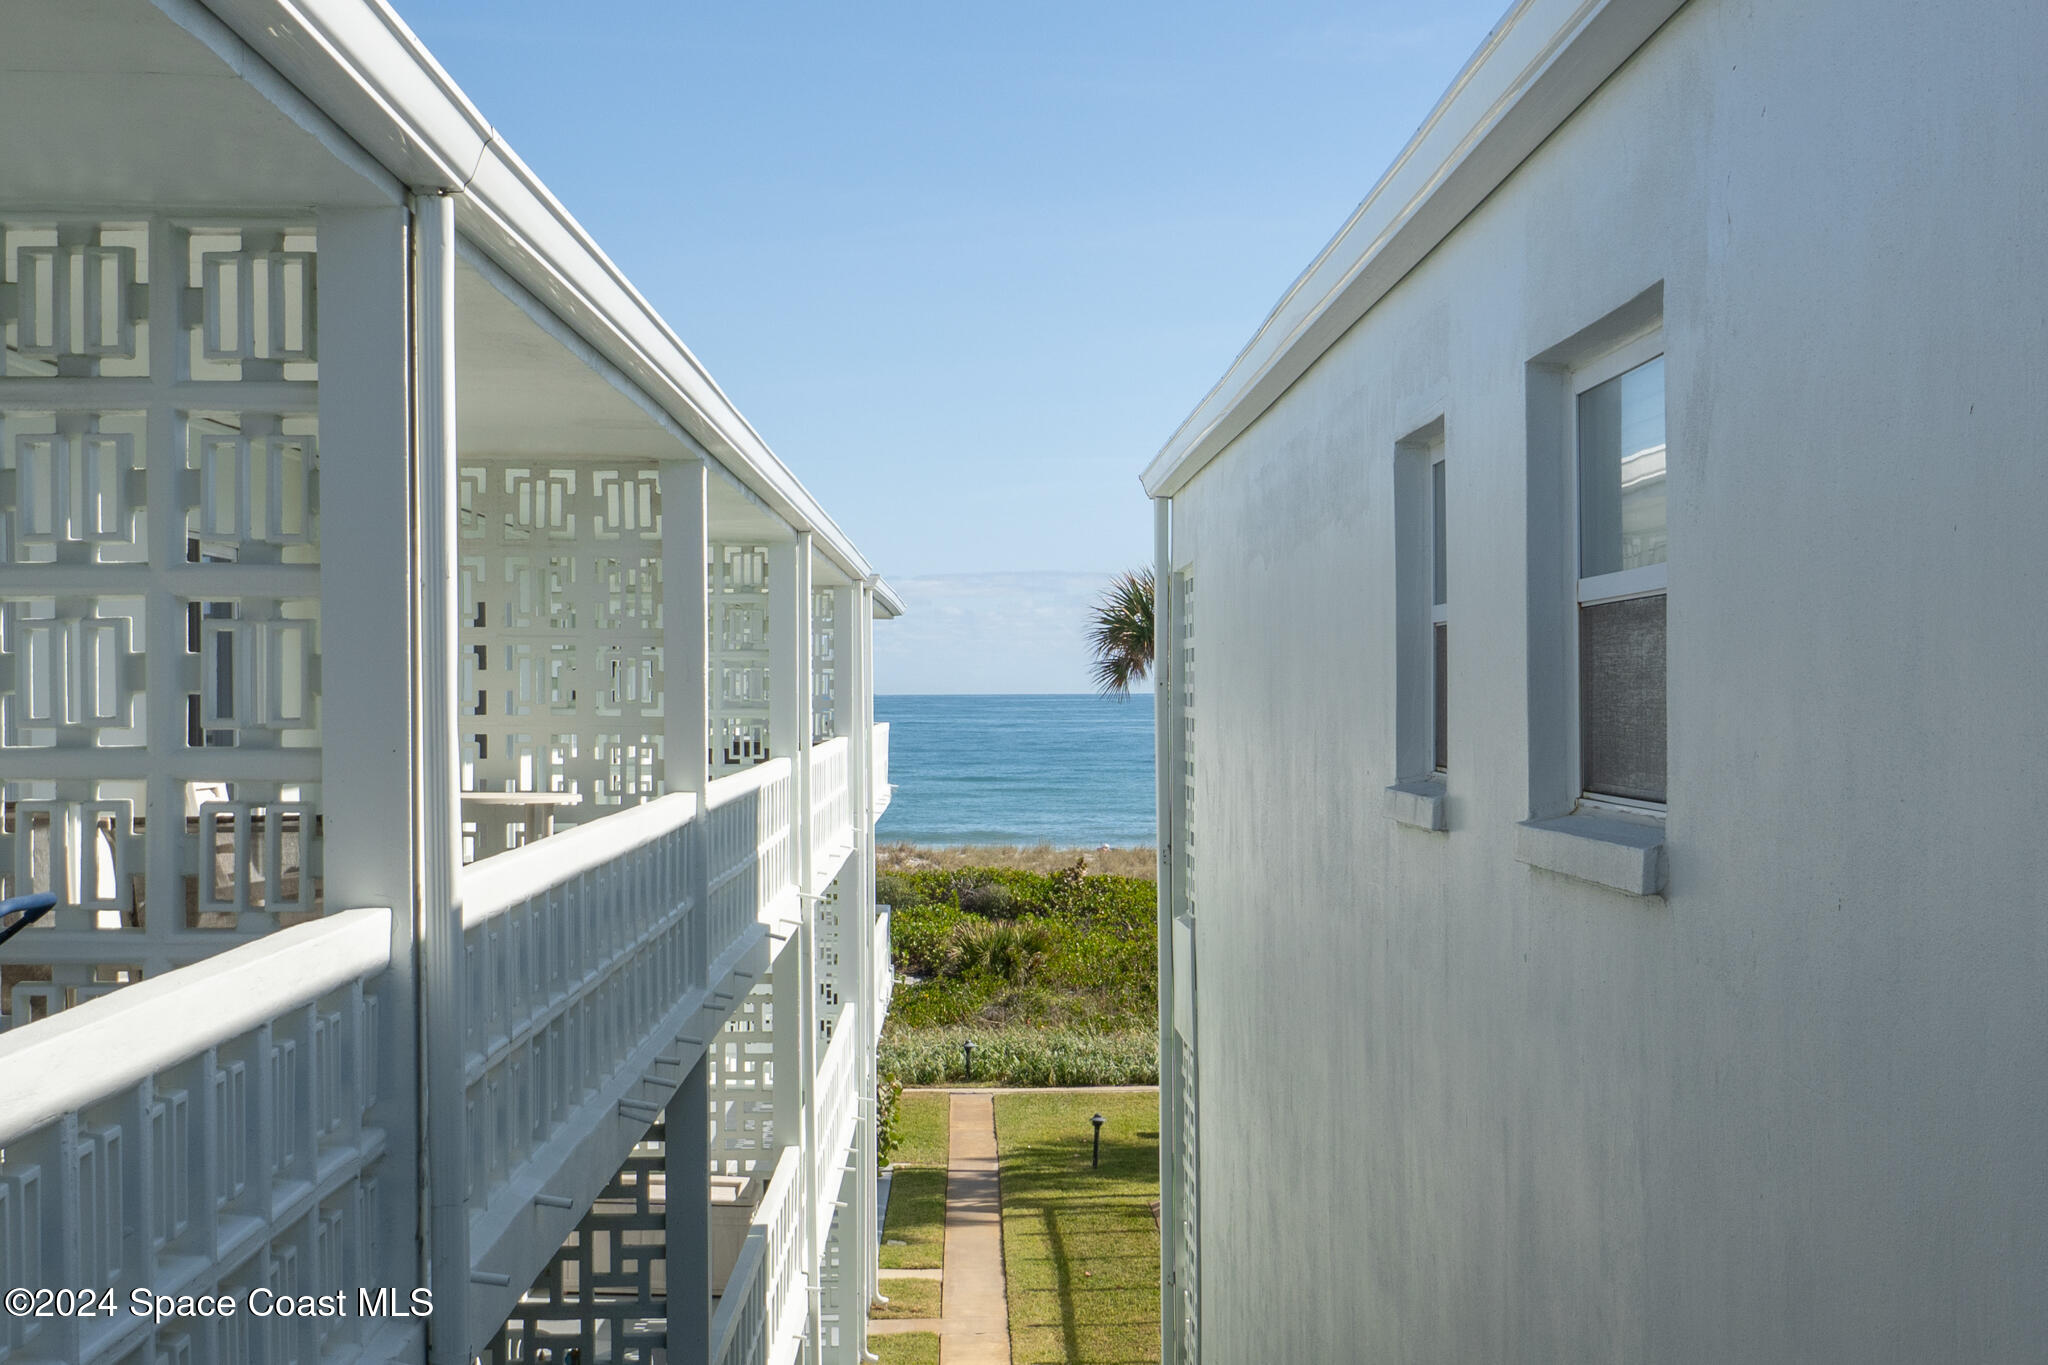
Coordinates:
<point>1166,776</point>
<point>444,1215</point>
<point>803,827</point>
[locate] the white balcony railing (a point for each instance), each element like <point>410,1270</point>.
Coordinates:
<point>761,1313</point>
<point>878,751</point>
<point>574,949</point>
<point>202,1131</point>
<point>831,805</point>
<point>885,971</point>
<point>753,864</point>
<point>838,1109</point>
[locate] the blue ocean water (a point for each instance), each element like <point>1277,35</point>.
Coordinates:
<point>1074,771</point>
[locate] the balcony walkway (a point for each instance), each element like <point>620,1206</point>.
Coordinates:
<point>220,1126</point>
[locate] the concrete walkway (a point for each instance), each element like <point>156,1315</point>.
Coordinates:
<point>974,1326</point>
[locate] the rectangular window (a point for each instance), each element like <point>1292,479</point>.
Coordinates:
<point>1618,434</point>
<point>1421,630</point>
<point>1439,611</point>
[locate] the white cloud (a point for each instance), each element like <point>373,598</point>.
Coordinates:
<point>994,632</point>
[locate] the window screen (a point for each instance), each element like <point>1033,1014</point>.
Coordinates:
<point>1443,697</point>
<point>1621,698</point>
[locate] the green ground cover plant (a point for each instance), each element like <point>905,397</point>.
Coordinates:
<point>1053,976</point>
<point>1080,1251</point>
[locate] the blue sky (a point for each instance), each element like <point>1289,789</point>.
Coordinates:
<point>966,267</point>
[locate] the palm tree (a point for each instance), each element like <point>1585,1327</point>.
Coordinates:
<point>1122,633</point>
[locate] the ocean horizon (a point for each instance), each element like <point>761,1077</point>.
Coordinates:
<point>1068,769</point>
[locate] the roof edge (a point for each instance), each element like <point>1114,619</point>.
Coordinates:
<point>359,63</point>
<point>1536,67</point>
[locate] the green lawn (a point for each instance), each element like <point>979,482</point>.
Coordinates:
<point>923,1122</point>
<point>910,1348</point>
<point>1079,1249</point>
<point>910,1298</point>
<point>917,1194</point>
<point>917,1220</point>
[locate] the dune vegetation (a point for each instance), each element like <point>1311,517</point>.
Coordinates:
<point>1053,976</point>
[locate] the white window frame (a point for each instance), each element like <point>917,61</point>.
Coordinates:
<point>1439,612</point>
<point>1652,580</point>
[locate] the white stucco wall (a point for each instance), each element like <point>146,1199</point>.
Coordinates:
<point>1458,1109</point>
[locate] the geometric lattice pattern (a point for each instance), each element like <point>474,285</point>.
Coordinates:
<point>835,959</point>
<point>561,640</point>
<point>604,1296</point>
<point>739,656</point>
<point>824,664</point>
<point>743,1088</point>
<point>1185,599</point>
<point>159,735</point>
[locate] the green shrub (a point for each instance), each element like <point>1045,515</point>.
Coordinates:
<point>921,937</point>
<point>1007,950</point>
<point>888,1118</point>
<point>990,900</point>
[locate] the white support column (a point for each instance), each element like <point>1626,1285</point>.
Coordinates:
<point>367,714</point>
<point>686,662</point>
<point>687,1236</point>
<point>439,829</point>
<point>1166,771</point>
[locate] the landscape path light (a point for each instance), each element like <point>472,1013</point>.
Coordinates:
<point>967,1054</point>
<point>1097,1121</point>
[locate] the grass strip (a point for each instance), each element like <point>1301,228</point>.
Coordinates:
<point>910,1299</point>
<point>914,1238</point>
<point>924,1124</point>
<point>1079,1250</point>
<point>906,1348</point>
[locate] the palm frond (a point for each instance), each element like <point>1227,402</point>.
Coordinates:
<point>1120,633</point>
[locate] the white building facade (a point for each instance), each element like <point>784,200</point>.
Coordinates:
<point>446,729</point>
<point>1600,725</point>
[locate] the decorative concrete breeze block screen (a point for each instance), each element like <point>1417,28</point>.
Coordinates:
<point>1185,595</point>
<point>561,645</point>
<point>742,1087</point>
<point>739,656</point>
<point>824,664</point>
<point>159,601</point>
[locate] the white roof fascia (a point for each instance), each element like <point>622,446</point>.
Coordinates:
<point>363,67</point>
<point>1537,66</point>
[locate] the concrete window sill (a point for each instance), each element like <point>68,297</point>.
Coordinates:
<point>1607,850</point>
<point>1418,802</point>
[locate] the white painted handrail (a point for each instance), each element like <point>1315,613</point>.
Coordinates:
<point>731,788</point>
<point>82,1055</point>
<point>498,883</point>
<point>753,861</point>
<point>885,971</point>
<point>764,1297</point>
<point>831,804</point>
<point>878,759</point>
<point>207,1131</point>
